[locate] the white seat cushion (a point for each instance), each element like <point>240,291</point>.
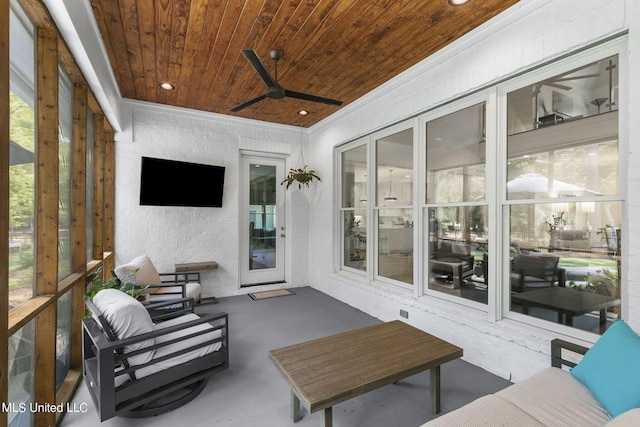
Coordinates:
<point>206,333</point>
<point>166,293</point>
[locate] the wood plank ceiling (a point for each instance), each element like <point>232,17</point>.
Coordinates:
<point>339,49</point>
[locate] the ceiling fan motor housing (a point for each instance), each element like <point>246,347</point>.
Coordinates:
<point>275,92</point>
<point>275,54</point>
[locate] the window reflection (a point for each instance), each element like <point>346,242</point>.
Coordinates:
<point>572,246</point>
<point>565,255</point>
<point>456,153</point>
<point>458,248</point>
<point>586,91</point>
<point>394,202</point>
<point>457,255</point>
<point>354,177</point>
<point>395,244</point>
<point>355,239</point>
<point>262,217</point>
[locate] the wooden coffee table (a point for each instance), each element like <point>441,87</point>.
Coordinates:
<point>327,371</point>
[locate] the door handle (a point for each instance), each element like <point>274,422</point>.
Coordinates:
<point>282,235</point>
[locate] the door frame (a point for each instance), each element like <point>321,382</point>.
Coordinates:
<point>246,276</point>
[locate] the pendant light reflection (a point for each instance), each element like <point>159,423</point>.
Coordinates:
<point>391,196</point>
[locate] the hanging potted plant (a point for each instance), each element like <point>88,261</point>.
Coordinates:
<point>302,176</point>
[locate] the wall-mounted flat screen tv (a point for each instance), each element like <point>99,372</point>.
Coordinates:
<point>172,183</point>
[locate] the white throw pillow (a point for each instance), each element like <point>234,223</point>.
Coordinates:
<point>139,271</point>
<point>127,318</point>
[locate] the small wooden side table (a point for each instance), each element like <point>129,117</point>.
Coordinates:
<point>192,267</point>
<point>196,266</point>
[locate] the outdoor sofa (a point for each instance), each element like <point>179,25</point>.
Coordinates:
<point>603,389</point>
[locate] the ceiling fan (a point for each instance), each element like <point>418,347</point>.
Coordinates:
<point>274,90</point>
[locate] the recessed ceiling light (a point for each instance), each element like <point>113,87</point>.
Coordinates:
<point>166,86</point>
<point>457,2</point>
<point>303,112</point>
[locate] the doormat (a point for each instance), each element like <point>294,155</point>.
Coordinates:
<point>270,294</point>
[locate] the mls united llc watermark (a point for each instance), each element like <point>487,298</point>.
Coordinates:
<point>21,407</point>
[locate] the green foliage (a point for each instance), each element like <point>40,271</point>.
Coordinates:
<point>302,176</point>
<point>96,283</point>
<point>605,283</point>
<point>22,176</point>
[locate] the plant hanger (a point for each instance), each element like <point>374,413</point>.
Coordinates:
<point>301,175</point>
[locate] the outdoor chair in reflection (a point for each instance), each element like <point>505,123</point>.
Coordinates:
<point>530,271</point>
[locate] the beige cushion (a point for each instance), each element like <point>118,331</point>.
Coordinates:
<point>629,418</point>
<point>555,398</point>
<point>140,271</point>
<point>127,318</point>
<point>487,411</point>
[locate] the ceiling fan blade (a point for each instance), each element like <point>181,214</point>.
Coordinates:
<point>557,86</point>
<point>314,98</point>
<point>254,59</point>
<point>248,103</point>
<point>584,76</point>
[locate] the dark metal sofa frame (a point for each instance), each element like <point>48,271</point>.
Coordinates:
<point>104,360</point>
<point>557,355</point>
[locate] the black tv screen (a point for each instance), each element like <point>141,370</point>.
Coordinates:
<point>172,183</point>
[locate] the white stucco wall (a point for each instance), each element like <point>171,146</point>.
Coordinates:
<point>530,33</point>
<point>170,235</point>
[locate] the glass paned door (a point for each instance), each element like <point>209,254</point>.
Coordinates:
<point>262,230</point>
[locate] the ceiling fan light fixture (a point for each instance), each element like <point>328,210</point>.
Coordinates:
<point>167,86</point>
<point>456,3</point>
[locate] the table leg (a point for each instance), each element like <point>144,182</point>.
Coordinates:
<point>568,319</point>
<point>434,378</point>
<point>457,276</point>
<point>295,407</point>
<point>327,417</point>
<point>603,317</point>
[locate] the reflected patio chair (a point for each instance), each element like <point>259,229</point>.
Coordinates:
<point>530,271</point>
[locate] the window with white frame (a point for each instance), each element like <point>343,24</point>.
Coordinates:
<point>456,210</point>
<point>394,206</point>
<point>354,211</point>
<point>546,168</point>
<point>563,197</point>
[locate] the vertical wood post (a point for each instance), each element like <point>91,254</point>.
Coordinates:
<point>4,207</point>
<point>78,216</point>
<point>47,179</point>
<point>98,186</point>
